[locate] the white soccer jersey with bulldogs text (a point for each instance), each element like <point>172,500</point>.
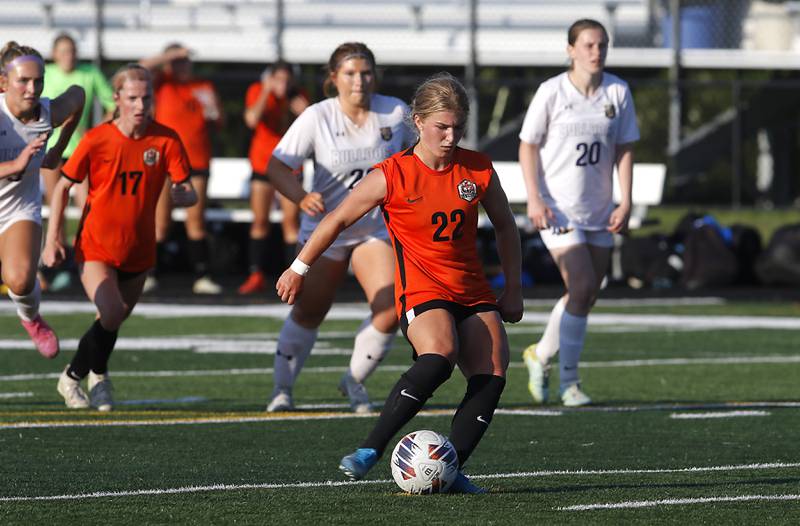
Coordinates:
<point>577,138</point>
<point>21,195</point>
<point>343,153</point>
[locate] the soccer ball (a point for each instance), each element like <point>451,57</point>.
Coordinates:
<point>424,462</point>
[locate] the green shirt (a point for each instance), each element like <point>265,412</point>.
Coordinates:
<point>94,84</point>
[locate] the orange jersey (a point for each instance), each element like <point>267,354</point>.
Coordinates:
<point>183,106</point>
<point>432,217</point>
<point>126,177</point>
<point>271,126</point>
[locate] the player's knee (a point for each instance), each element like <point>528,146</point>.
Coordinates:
<point>426,375</point>
<point>19,281</point>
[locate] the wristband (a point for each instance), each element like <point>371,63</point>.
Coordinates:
<point>299,267</point>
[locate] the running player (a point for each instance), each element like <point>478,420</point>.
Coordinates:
<point>64,72</point>
<point>430,196</point>
<point>26,121</point>
<point>271,104</point>
<point>191,107</point>
<point>346,134</point>
<point>579,125</point>
<point>127,162</point>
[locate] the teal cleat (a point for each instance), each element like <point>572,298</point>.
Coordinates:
<point>356,465</point>
<point>463,485</point>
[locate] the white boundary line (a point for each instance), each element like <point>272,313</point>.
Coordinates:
<point>25,394</point>
<point>717,414</point>
<point>312,485</point>
<point>676,502</point>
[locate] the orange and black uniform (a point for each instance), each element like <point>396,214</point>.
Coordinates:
<point>180,105</point>
<point>126,176</point>
<point>432,217</point>
<point>271,126</point>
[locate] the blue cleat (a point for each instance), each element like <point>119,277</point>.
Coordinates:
<point>356,465</point>
<point>463,485</point>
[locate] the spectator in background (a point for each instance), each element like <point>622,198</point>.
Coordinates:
<point>270,106</point>
<point>580,124</point>
<point>190,106</point>
<point>65,71</point>
<point>346,134</point>
<point>116,245</point>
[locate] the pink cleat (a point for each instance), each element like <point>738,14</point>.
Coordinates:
<point>43,336</point>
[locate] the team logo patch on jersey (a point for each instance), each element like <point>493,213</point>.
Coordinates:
<point>386,133</point>
<point>611,111</point>
<point>467,190</point>
<point>150,156</point>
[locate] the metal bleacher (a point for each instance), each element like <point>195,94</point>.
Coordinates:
<point>399,31</point>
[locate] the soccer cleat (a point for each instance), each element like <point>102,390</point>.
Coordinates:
<point>356,465</point>
<point>356,392</point>
<point>100,390</point>
<point>74,396</point>
<point>463,485</point>
<point>205,285</point>
<point>572,396</point>
<point>150,284</point>
<point>281,402</point>
<point>538,375</point>
<point>255,283</point>
<point>62,281</point>
<point>44,338</point>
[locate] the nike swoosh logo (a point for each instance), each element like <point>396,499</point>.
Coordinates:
<point>409,395</point>
<point>482,420</point>
<point>412,201</point>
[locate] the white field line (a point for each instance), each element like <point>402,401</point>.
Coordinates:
<point>331,484</point>
<point>26,394</point>
<point>677,502</point>
<point>717,414</point>
<point>395,368</point>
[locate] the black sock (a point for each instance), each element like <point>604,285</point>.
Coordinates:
<point>94,349</point>
<point>289,253</point>
<point>258,254</point>
<point>198,254</point>
<point>408,396</point>
<point>475,413</point>
<point>160,255</point>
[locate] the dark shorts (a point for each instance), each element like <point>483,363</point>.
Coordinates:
<point>259,176</point>
<point>457,311</point>
<point>123,276</point>
<point>200,173</point>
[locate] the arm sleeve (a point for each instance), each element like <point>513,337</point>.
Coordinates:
<point>103,90</point>
<point>628,128</point>
<point>297,144</point>
<point>177,161</point>
<point>534,127</point>
<point>77,167</point>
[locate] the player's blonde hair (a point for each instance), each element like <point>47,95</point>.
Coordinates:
<point>441,92</point>
<point>130,71</point>
<point>12,50</point>
<point>342,53</point>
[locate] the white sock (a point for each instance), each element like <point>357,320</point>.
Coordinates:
<point>27,305</point>
<point>294,345</point>
<point>571,334</point>
<point>370,346</point>
<point>549,343</point>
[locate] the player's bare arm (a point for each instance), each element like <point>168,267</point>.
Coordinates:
<point>365,196</point>
<point>54,251</point>
<point>495,203</point>
<point>618,221</point>
<point>285,182</point>
<point>17,166</point>
<point>538,212</point>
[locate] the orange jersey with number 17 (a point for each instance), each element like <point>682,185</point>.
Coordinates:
<point>432,217</point>
<point>126,177</point>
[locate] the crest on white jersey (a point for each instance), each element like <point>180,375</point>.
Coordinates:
<point>467,190</point>
<point>150,156</point>
<point>611,111</point>
<point>386,133</point>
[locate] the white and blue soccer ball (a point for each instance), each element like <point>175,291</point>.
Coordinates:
<point>424,462</point>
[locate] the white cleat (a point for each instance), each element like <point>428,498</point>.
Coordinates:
<point>281,402</point>
<point>572,396</point>
<point>356,392</point>
<point>206,285</point>
<point>538,375</point>
<point>100,390</point>
<point>150,284</point>
<point>74,396</point>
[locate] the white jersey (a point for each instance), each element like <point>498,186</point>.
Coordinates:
<point>21,192</point>
<point>577,138</point>
<point>343,153</point>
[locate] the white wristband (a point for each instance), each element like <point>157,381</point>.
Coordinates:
<point>299,267</point>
